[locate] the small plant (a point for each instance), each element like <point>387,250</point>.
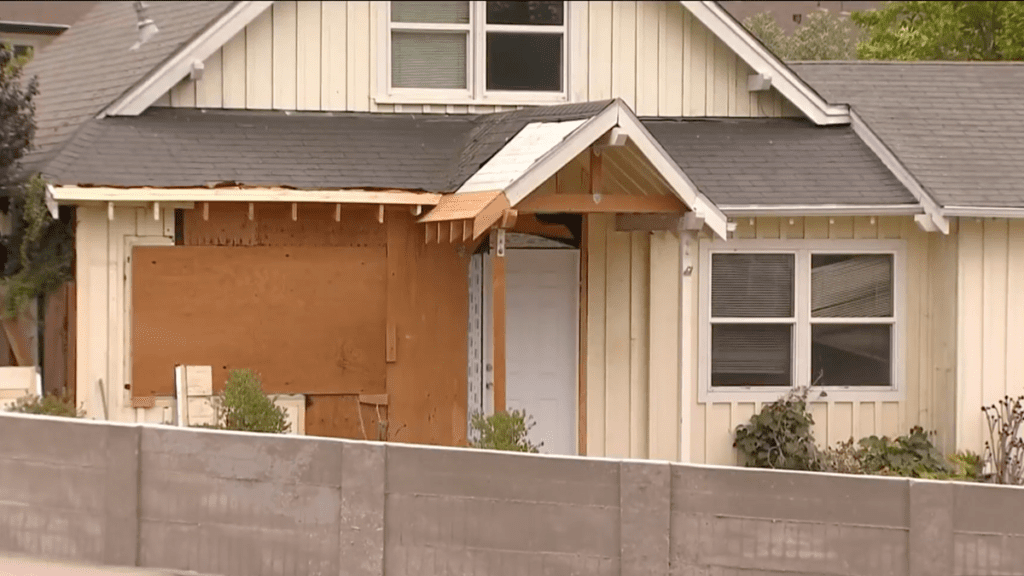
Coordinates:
<point>49,405</point>
<point>504,431</point>
<point>912,455</point>
<point>780,436</point>
<point>244,406</point>
<point>1004,450</point>
<point>965,465</point>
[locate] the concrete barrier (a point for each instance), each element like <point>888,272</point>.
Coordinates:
<point>249,504</point>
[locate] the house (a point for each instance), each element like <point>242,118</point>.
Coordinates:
<point>29,26</point>
<point>628,218</point>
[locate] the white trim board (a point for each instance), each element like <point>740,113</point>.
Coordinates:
<point>159,80</point>
<point>76,194</point>
<point>893,163</point>
<point>742,211</point>
<point>725,27</point>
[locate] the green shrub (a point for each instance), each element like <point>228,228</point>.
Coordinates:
<point>779,436</point>
<point>244,406</point>
<point>912,455</point>
<point>50,405</point>
<point>504,431</point>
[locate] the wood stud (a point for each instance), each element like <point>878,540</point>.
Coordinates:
<point>252,211</point>
<point>110,211</point>
<point>380,214</point>
<point>337,212</point>
<point>295,211</point>
<point>206,210</point>
<point>156,211</point>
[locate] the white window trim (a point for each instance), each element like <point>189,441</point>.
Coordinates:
<point>801,348</point>
<point>476,57</point>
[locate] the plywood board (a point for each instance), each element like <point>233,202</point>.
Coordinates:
<point>310,320</point>
<point>338,416</point>
<point>228,224</point>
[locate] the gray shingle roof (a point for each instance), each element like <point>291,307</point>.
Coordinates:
<point>778,162</point>
<point>958,127</point>
<point>734,162</point>
<point>89,66</point>
<point>187,147</point>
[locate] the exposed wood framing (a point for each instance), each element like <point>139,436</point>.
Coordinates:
<point>581,399</point>
<point>78,194</point>
<point>295,211</point>
<point>475,212</point>
<point>380,214</point>
<point>586,203</point>
<point>252,210</point>
<point>498,323</point>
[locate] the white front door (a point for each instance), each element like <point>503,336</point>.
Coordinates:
<point>542,342</point>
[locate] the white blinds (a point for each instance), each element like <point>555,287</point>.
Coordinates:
<point>430,12</point>
<point>752,285</point>
<point>851,286</point>
<point>427,59</point>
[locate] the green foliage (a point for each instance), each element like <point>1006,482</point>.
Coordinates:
<point>823,35</point>
<point>39,249</point>
<point>942,30</point>
<point>504,431</point>
<point>780,436</point>
<point>912,455</point>
<point>50,405</point>
<point>1004,450</point>
<point>244,406</point>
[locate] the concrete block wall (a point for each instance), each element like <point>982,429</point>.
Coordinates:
<point>247,504</point>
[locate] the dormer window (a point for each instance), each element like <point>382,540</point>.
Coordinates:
<point>477,51</point>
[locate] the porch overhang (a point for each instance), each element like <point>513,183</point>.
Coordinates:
<point>541,149</point>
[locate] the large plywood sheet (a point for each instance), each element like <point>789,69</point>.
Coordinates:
<point>310,320</point>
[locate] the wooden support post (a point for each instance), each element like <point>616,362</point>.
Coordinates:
<point>206,210</point>
<point>252,211</point>
<point>295,211</point>
<point>156,211</point>
<point>110,211</point>
<point>380,214</point>
<point>451,231</point>
<point>498,321</point>
<point>337,212</point>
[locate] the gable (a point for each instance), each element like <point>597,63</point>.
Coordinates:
<point>328,56</point>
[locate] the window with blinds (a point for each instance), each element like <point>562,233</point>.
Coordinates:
<point>801,316</point>
<point>474,48</point>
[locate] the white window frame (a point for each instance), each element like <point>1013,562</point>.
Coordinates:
<point>801,361</point>
<point>476,62</point>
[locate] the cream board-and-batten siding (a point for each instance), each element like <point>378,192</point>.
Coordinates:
<point>638,289</point>
<point>323,56</point>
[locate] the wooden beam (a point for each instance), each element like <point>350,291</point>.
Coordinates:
<point>337,212</point>
<point>110,211</point>
<point>588,204</point>
<point>380,214</point>
<point>206,210</point>
<point>252,210</point>
<point>76,194</point>
<point>156,211</point>
<point>498,323</point>
<point>596,172</point>
<point>295,211</point>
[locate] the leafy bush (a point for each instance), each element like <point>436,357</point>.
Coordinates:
<point>780,436</point>
<point>1004,450</point>
<point>50,405</point>
<point>912,455</point>
<point>504,431</point>
<point>244,406</point>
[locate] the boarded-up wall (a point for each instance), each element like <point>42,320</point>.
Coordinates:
<point>308,319</point>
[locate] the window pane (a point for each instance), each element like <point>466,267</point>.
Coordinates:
<point>851,355</point>
<point>430,12</point>
<point>751,354</point>
<point>524,61</point>
<point>851,286</point>
<point>752,285</point>
<point>544,13</point>
<point>428,60</point>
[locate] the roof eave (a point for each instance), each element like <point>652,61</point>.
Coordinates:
<point>794,210</point>
<point>787,82</point>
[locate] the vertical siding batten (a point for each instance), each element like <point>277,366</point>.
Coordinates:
<point>970,334</point>
<point>617,336</point>
<point>597,229</point>
<point>639,306</point>
<point>285,44</point>
<point>210,90</point>
<point>359,54</point>
<point>259,61</point>
<point>307,55</point>
<point>333,56</point>
<point>664,422</point>
<point>234,85</point>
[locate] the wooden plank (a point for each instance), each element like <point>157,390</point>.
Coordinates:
<point>210,90</point>
<point>391,345</point>
<point>664,347</point>
<point>334,56</point>
<point>259,70</point>
<point>601,36</point>
<point>498,326</point>
<point>840,422</point>
<point>597,231</point>
<point>639,349</point>
<point>580,37</point>
<point>696,48</point>
<point>971,338</point>
<point>670,59</point>
<point>993,310</point>
<point>307,55</point>
<point>55,341</point>
<point>581,397</point>
<point>610,203</point>
<point>647,57</point>
<point>617,346</point>
<point>76,195</point>
<point>359,55</point>
<point>343,416</point>
<point>916,326</point>
<point>741,105</point>
<point>723,70</point>
<point>262,308</point>
<point>91,260</point>
<point>234,83</point>
<point>285,69</point>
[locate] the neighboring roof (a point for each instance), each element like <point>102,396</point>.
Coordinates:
<point>957,127</point>
<point>90,65</point>
<point>178,147</point>
<point>61,12</point>
<point>775,162</point>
